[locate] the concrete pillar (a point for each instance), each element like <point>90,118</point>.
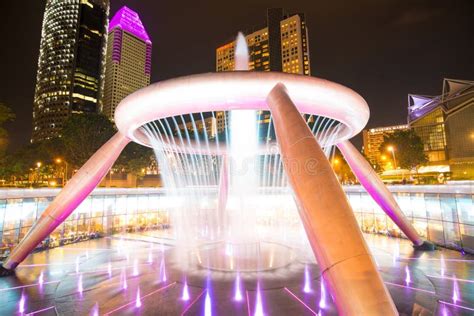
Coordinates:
<point>334,235</point>
<point>372,183</point>
<point>75,191</point>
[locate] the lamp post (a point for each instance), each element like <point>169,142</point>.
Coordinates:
<point>38,166</point>
<point>64,178</point>
<point>392,150</point>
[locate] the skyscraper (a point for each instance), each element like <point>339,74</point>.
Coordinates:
<point>282,45</point>
<point>71,63</point>
<point>128,61</point>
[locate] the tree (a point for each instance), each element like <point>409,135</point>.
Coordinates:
<point>341,168</point>
<point>83,134</point>
<point>6,115</point>
<point>135,158</point>
<point>407,149</point>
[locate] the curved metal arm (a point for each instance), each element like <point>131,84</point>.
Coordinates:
<point>377,189</point>
<point>75,191</point>
<point>333,233</point>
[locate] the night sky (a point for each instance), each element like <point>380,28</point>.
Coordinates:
<point>383,49</point>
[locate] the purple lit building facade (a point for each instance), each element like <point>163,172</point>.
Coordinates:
<point>71,63</point>
<point>128,61</point>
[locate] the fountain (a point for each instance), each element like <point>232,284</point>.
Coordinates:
<point>230,168</point>
<point>138,300</point>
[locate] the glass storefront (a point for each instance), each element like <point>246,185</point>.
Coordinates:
<point>446,218</point>
<point>103,213</point>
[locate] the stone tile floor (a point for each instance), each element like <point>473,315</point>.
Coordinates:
<point>145,274</point>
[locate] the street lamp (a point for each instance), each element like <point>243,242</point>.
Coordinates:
<point>59,161</point>
<point>392,150</point>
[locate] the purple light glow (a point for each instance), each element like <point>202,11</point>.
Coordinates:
<point>80,288</point>
<point>307,281</point>
<point>407,275</point>
<point>299,300</point>
<point>238,289</point>
<point>258,303</point>
<point>455,305</point>
<point>185,295</point>
<point>123,276</point>
<point>443,265</point>
<point>207,305</point>
<point>163,277</point>
<point>135,268</point>
<point>117,46</point>
<point>41,279</point>
<point>456,293</point>
<point>322,299</point>
<point>95,310</point>
<point>21,304</point>
<point>138,301</point>
<point>129,21</point>
<point>410,288</point>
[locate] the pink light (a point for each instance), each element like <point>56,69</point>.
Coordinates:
<point>41,279</point>
<point>410,288</point>
<point>138,301</point>
<point>455,305</point>
<point>299,300</point>
<point>25,286</point>
<point>95,310</point>
<point>135,268</point>
<point>129,21</point>
<point>407,277</point>
<point>307,281</point>
<point>449,278</point>
<point>445,311</point>
<point>207,305</point>
<point>163,270</point>
<point>238,289</point>
<point>258,303</point>
<point>124,279</point>
<point>22,303</point>
<point>443,265</point>
<point>193,302</point>
<point>456,294</point>
<point>322,299</point>
<point>185,295</point>
<point>80,288</point>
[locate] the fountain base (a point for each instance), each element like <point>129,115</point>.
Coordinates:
<point>6,272</point>
<point>245,257</point>
<point>425,246</point>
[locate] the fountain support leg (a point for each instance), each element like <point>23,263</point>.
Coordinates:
<point>372,183</point>
<point>334,235</point>
<point>75,191</point>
